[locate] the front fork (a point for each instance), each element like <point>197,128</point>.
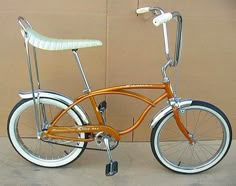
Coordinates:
<point>174,103</point>
<point>176,110</point>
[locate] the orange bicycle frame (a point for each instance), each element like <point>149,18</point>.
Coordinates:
<point>53,130</point>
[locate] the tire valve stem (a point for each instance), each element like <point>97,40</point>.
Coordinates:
<point>66,152</point>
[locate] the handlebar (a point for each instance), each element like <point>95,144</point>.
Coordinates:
<point>143,10</point>
<point>161,18</point>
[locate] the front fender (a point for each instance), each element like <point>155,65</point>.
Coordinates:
<point>165,111</point>
<point>57,96</point>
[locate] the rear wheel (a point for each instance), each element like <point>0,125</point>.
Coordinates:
<point>210,130</point>
<point>43,152</point>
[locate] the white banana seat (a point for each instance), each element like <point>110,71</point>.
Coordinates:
<point>46,43</point>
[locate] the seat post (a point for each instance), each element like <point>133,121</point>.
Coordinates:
<point>87,88</point>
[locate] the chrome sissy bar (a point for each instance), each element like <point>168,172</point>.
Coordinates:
<point>25,25</point>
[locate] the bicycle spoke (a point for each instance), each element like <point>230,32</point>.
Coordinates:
<point>181,155</point>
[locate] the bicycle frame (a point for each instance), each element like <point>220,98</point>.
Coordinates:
<point>53,130</point>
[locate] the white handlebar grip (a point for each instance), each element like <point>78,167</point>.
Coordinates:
<point>162,19</point>
<point>142,10</point>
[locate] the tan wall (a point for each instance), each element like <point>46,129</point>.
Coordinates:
<point>132,52</point>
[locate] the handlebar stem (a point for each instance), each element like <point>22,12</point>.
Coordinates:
<point>163,70</point>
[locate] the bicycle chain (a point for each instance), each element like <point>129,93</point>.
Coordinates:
<point>74,146</point>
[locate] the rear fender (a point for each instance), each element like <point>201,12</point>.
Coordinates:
<point>57,96</point>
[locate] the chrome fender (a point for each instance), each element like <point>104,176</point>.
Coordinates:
<point>57,96</point>
<point>166,110</point>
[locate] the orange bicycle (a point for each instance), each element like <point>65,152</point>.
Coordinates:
<point>52,130</point>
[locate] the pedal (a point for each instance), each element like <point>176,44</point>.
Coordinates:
<point>102,108</point>
<point>111,168</point>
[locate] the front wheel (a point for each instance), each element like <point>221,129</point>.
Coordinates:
<point>210,130</point>
<point>43,152</point>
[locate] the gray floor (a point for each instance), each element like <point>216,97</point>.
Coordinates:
<point>137,166</point>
